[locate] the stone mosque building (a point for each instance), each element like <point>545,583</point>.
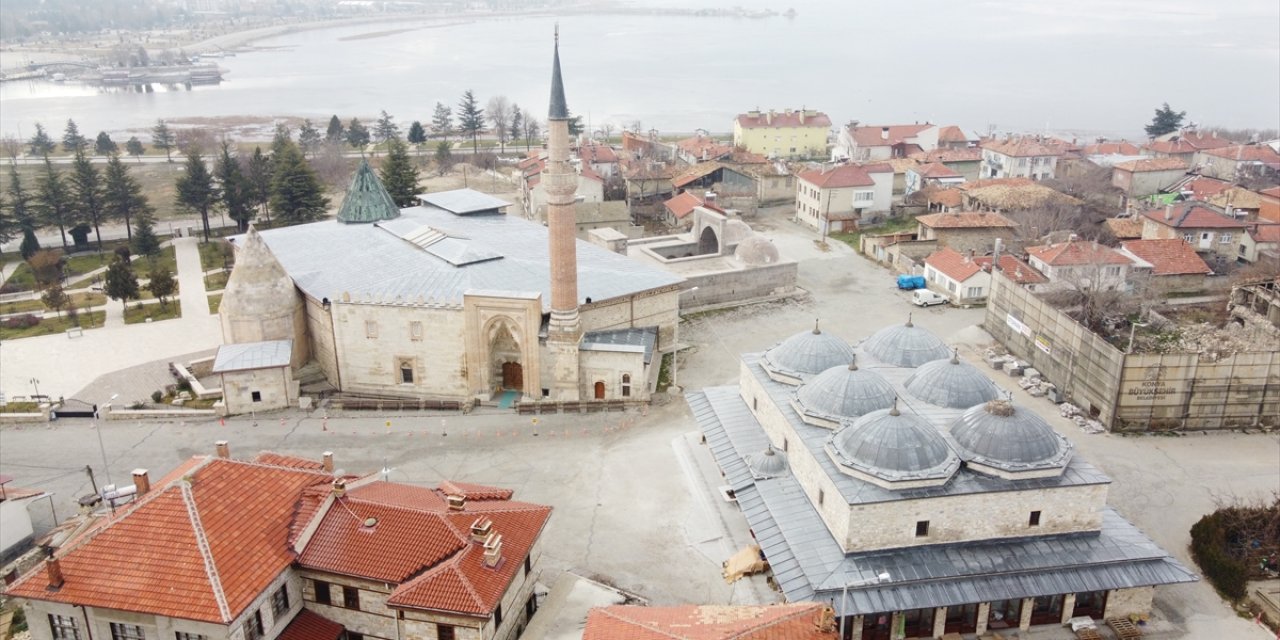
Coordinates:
<point>450,300</point>
<point>901,486</point>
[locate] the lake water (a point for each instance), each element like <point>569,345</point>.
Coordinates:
<point>1082,66</point>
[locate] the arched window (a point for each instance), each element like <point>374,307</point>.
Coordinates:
<point>406,371</point>
<point>626,385</point>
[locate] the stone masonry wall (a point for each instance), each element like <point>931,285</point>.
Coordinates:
<point>1123,602</point>
<point>739,286</point>
<point>370,354</point>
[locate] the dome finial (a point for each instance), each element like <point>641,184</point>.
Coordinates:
<point>853,363</point>
<point>816,330</point>
<point>894,411</point>
<point>909,320</point>
<point>955,355</point>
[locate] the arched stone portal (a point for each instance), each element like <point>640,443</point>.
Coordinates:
<point>505,361</point>
<point>708,243</point>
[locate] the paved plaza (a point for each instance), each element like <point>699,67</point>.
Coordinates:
<point>634,493</point>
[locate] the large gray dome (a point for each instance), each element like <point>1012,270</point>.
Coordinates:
<point>1009,439</point>
<point>905,345</point>
<point>845,392</point>
<point>951,383</point>
<point>895,447</point>
<point>806,354</point>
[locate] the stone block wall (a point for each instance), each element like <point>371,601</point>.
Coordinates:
<point>275,387</point>
<point>727,287</point>
<point>1124,602</point>
<point>653,308</point>
<point>373,339</point>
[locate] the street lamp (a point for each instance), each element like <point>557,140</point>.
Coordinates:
<point>35,382</point>
<point>844,592</point>
<point>102,447</point>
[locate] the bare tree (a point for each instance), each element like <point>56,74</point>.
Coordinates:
<point>499,112</point>
<point>531,128</point>
<point>12,148</point>
<point>607,130</point>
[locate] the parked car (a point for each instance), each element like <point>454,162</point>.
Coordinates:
<point>927,298</point>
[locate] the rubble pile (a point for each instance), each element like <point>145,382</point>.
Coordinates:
<point>1031,381</point>
<point>1076,415</point>
<point>1210,341</point>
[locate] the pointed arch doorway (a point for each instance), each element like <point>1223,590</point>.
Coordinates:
<point>506,360</point>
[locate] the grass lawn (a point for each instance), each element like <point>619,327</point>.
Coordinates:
<point>135,313</point>
<point>20,407</point>
<point>23,278</point>
<point>54,325</point>
<point>211,254</point>
<point>854,239</point>
<point>82,300</point>
<point>142,265</point>
<point>157,181</point>
<point>215,301</point>
<point>216,281</point>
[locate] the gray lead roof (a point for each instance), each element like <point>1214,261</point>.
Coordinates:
<point>252,355</point>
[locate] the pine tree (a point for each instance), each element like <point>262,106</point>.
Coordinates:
<point>162,285</point>
<point>282,138</point>
<point>235,188</point>
<point>357,134</point>
<point>385,129</point>
<point>470,119</point>
<point>444,157</point>
<point>516,124</point>
<point>86,186</point>
<point>417,135</point>
<point>258,174</point>
<point>20,219</point>
<point>575,128</point>
<point>296,194</point>
<point>54,200</point>
<point>145,241</point>
<point>196,190</point>
<point>1165,121</point>
<point>41,144</point>
<point>121,282</point>
<point>162,138</point>
<point>335,132</point>
<point>442,121</point>
<point>399,176</point>
<point>72,141</point>
<point>122,195</point>
<point>104,145</point>
<point>309,138</point>
<point>134,148</point>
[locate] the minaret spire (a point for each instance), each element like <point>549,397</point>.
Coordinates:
<point>564,332</point>
<point>559,109</point>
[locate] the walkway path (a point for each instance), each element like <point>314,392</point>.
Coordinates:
<point>195,303</point>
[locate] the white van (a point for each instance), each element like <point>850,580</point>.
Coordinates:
<point>927,298</point>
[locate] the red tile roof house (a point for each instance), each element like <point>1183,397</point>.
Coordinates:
<point>958,276</point>
<point>1014,269</point>
<point>872,143</point>
<point>1204,228</point>
<point>931,174</point>
<point>1236,162</point>
<point>1269,208</point>
<point>677,209</point>
<point>799,621</point>
<point>600,157</point>
<point>1184,144</point>
<point>1081,264</point>
<point>1261,242</point>
<point>1137,178</point>
<point>966,162</point>
<point>1019,158</point>
<point>842,196</point>
<point>1168,266</point>
<point>966,231</point>
<point>279,547</point>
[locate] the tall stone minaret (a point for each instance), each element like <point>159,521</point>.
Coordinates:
<point>561,182</point>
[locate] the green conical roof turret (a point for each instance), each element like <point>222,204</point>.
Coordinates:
<point>367,200</point>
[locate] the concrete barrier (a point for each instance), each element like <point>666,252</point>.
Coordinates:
<point>157,414</point>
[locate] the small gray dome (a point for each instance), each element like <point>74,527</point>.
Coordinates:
<point>895,447</point>
<point>1009,438</point>
<point>736,231</point>
<point>951,383</point>
<point>906,345</point>
<point>806,354</point>
<point>755,250</point>
<point>770,464</point>
<point>845,392</point>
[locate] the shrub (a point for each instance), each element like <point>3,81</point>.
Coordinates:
<point>25,321</point>
<point>1209,549</point>
<point>156,397</point>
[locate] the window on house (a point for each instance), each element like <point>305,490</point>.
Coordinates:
<point>528,564</point>
<point>1188,238</point>
<point>322,591</point>
<point>185,635</point>
<point>1034,521</point>
<point>1224,238</point>
<point>406,371</point>
<point>922,528</point>
<point>121,631</point>
<point>280,600</point>
<point>974,292</point>
<point>785,444</point>
<point>755,404</point>
<point>352,635</point>
<point>351,597</point>
<point>626,385</point>
<point>256,396</point>
<point>253,629</point>
<point>445,632</point>
<point>63,627</point>
<point>415,330</point>
<point>1113,272</point>
<point>497,617</point>
<point>821,495</point>
<point>370,328</point>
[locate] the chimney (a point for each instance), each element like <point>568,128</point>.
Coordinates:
<point>53,570</point>
<point>803,113</point>
<point>327,458</point>
<point>1168,212</point>
<point>481,529</point>
<point>769,118</point>
<point>224,449</point>
<point>141,481</point>
<point>339,487</point>
<point>457,502</point>
<point>493,550</point>
<point>884,133</point>
<point>1072,238</point>
<point>709,197</point>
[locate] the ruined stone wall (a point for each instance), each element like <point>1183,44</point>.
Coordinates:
<point>739,286</point>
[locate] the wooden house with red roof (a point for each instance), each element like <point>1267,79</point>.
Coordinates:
<point>1168,265</point>
<point>799,621</point>
<point>872,143</point>
<point>1184,144</point>
<point>1261,241</point>
<point>1081,264</point>
<point>1203,227</point>
<point>966,231</point>
<point>1237,161</point>
<point>281,547</point>
<point>958,276</point>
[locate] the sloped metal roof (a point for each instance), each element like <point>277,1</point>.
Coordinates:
<point>464,201</point>
<point>372,262</point>
<point>638,339</point>
<point>252,355</point>
<point>367,199</point>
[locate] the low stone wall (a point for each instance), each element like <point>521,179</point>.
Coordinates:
<point>24,418</point>
<point>198,389</point>
<point>740,287</point>
<point>159,414</point>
